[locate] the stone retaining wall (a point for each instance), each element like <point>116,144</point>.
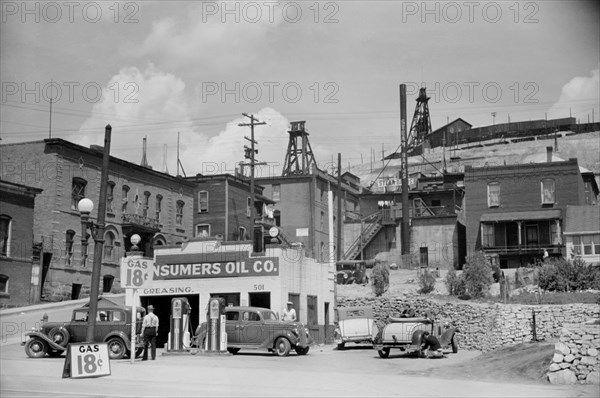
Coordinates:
<point>576,355</point>
<point>485,326</point>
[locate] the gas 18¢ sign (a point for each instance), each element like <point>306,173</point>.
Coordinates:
<point>87,360</point>
<point>136,272</point>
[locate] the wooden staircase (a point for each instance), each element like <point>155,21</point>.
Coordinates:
<point>372,227</point>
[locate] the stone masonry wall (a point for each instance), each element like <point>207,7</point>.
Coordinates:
<point>485,326</point>
<point>576,355</point>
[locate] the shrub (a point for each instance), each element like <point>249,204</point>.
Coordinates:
<point>568,276</point>
<point>477,274</point>
<point>380,278</point>
<point>454,283</point>
<point>426,282</point>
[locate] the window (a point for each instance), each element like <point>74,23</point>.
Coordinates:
<point>493,189</point>
<point>322,220</point>
<point>179,213</point>
<point>243,235</point>
<point>5,232</point>
<point>436,202</point>
<point>202,201</point>
<point>3,284</point>
<point>547,190</point>
<point>107,282</point>
<point>158,207</point>
<point>586,244</point>
<point>125,200</point>
<point>577,245</point>
<point>487,235</point>
<point>84,251</point>
<point>276,192</point>
<point>109,247</point>
<point>232,316</point>
<point>110,193</point>
<point>589,193</point>
<point>554,236</point>
<point>146,204</point>
<point>202,230</point>
<point>249,207</point>
<point>69,239</point>
<point>77,191</point>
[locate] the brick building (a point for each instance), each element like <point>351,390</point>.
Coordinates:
<point>222,207</point>
<point>517,212</point>
<point>142,201</point>
<point>301,208</point>
<point>19,270</point>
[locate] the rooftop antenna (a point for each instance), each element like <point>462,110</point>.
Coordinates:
<point>178,160</point>
<point>144,162</point>
<point>165,168</point>
<point>50,124</point>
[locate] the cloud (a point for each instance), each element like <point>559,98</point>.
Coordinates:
<point>151,103</point>
<point>578,97</point>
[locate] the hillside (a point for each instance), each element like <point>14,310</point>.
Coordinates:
<point>584,147</point>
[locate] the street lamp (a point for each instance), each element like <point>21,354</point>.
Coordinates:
<point>135,239</point>
<point>85,207</point>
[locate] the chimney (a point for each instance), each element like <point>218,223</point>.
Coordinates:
<point>548,154</point>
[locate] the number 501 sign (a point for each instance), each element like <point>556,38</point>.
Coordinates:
<point>136,272</point>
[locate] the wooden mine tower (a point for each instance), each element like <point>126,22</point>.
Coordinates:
<point>421,124</point>
<point>299,159</point>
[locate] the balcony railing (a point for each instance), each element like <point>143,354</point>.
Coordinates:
<point>137,219</point>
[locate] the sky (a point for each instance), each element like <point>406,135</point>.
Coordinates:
<point>186,71</point>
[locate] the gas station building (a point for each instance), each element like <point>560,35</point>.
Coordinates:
<point>204,268</point>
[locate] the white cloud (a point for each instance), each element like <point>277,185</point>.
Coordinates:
<point>161,111</point>
<point>579,96</point>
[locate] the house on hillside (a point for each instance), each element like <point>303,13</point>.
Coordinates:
<point>518,211</point>
<point>582,233</point>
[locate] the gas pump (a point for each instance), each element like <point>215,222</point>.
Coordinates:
<point>179,334</point>
<point>216,338</point>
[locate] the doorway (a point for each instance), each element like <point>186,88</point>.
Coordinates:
<point>262,299</point>
<point>75,290</point>
<point>162,309</point>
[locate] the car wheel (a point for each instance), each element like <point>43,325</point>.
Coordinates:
<point>384,353</point>
<point>302,350</point>
<point>36,348</point>
<point>116,348</point>
<point>233,351</point>
<point>60,336</point>
<point>54,353</point>
<point>341,346</point>
<point>282,347</point>
<point>454,346</point>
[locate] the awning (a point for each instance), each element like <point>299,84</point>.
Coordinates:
<point>521,215</point>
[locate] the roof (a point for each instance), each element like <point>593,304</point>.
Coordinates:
<point>521,215</point>
<point>448,124</point>
<point>582,219</point>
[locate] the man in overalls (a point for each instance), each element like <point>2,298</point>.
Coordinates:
<point>149,332</point>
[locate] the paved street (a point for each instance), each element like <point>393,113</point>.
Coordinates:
<point>323,372</point>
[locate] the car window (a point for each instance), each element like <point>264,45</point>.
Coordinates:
<point>232,316</point>
<point>251,316</point>
<point>117,316</point>
<point>269,316</point>
<point>102,316</point>
<point>80,316</point>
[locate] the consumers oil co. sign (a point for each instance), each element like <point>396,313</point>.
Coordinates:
<point>217,265</point>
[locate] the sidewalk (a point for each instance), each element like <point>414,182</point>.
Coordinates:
<point>47,305</point>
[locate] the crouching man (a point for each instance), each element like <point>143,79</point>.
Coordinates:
<point>431,346</point>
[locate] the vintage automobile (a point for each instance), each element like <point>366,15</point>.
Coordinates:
<point>354,325</point>
<point>260,328</point>
<point>355,271</point>
<point>113,326</point>
<point>407,335</point>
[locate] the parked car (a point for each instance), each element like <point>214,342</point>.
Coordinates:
<point>113,326</point>
<point>354,271</point>
<point>406,334</point>
<point>354,325</point>
<point>260,328</point>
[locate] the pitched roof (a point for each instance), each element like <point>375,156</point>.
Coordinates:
<point>582,219</point>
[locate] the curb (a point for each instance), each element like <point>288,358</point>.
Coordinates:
<point>59,304</point>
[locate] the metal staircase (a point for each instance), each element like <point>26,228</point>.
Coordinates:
<point>372,227</point>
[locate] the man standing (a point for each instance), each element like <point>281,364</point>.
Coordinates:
<point>289,313</point>
<point>149,332</point>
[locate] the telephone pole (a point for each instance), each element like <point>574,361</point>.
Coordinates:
<point>250,154</point>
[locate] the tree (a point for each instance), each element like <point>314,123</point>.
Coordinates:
<point>477,274</point>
